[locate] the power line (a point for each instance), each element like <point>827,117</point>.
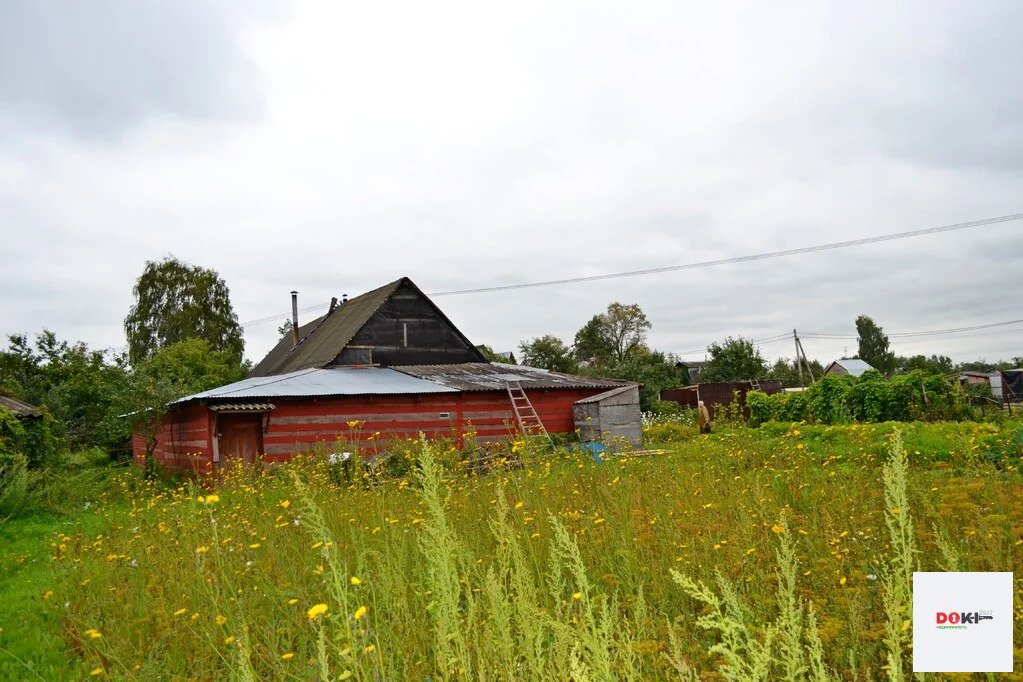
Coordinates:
<point>906,335</point>
<point>744,259</point>
<point>702,264</point>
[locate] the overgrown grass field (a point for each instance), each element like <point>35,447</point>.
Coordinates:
<point>775,553</point>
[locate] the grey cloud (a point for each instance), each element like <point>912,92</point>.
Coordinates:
<point>99,68</point>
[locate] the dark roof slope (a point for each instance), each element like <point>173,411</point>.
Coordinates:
<point>322,339</point>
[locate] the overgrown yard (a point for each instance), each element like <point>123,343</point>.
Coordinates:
<point>642,567</point>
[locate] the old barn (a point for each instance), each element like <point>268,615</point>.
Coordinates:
<point>389,360</point>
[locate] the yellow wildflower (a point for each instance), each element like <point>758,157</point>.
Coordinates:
<point>286,503</point>
<point>179,612</point>
<point>287,657</point>
<point>577,595</point>
<point>777,529</point>
<point>356,581</point>
<point>292,602</point>
<point>202,550</point>
<point>316,611</point>
<point>97,671</point>
<point>229,639</point>
<point>221,620</point>
<point>360,612</point>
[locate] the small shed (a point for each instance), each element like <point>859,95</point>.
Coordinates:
<point>610,416</point>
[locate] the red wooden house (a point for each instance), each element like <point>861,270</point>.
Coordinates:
<point>389,360</point>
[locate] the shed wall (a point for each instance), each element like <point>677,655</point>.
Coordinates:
<point>184,441</point>
<point>612,418</point>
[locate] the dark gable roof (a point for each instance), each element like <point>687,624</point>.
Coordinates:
<point>321,340</point>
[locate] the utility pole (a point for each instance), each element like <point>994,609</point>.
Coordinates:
<point>799,364</point>
<point>802,353</point>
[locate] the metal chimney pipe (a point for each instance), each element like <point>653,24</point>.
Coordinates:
<point>294,318</point>
<point>344,298</point>
<point>333,304</point>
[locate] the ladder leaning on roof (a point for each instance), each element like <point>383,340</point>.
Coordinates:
<point>527,418</point>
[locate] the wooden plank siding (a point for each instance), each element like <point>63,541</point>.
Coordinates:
<point>184,441</point>
<point>187,439</point>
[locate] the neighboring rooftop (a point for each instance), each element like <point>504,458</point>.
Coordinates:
<point>853,366</point>
<point>19,407</point>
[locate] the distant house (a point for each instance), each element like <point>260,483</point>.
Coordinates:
<point>384,365</point>
<point>992,379</point>
<point>693,368</point>
<point>507,356</point>
<point>852,366</point>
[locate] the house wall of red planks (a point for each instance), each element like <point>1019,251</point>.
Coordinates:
<point>184,441</point>
<point>297,425</point>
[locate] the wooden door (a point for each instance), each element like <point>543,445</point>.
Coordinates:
<point>241,438</point>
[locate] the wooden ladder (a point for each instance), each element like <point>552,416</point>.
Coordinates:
<point>525,415</point>
<point>754,385</point>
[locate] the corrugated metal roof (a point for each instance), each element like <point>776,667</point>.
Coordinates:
<point>18,407</point>
<point>484,376</point>
<point>322,339</point>
<point>853,366</point>
<point>321,383</point>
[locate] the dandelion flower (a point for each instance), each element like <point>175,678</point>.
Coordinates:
<point>370,649</point>
<point>520,505</point>
<point>254,545</point>
<point>577,595</point>
<point>286,503</point>
<point>777,529</point>
<point>287,657</point>
<point>94,634</point>
<point>360,612</point>
<point>221,620</point>
<point>96,672</point>
<point>291,602</point>
<point>229,639</point>
<point>210,499</point>
<point>356,581</point>
<point>316,611</point>
<point>202,550</point>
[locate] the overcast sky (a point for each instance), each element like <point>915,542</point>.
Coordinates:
<point>333,147</point>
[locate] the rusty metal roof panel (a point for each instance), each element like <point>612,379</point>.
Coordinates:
<point>494,376</point>
<point>320,383</point>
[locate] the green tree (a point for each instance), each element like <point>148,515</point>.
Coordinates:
<point>194,365</point>
<point>656,371</point>
<point>734,360</point>
<point>143,402</point>
<point>612,336</point>
<point>786,371</point>
<point>935,364</point>
<point>591,342</point>
<point>175,301</point>
<point>284,329</point>
<point>74,382</point>
<point>548,352</point>
<point>873,347</point>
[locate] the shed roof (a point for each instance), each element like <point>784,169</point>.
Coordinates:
<point>315,382</point>
<point>606,394</point>
<point>853,366</point>
<point>19,407</point>
<point>491,376</point>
